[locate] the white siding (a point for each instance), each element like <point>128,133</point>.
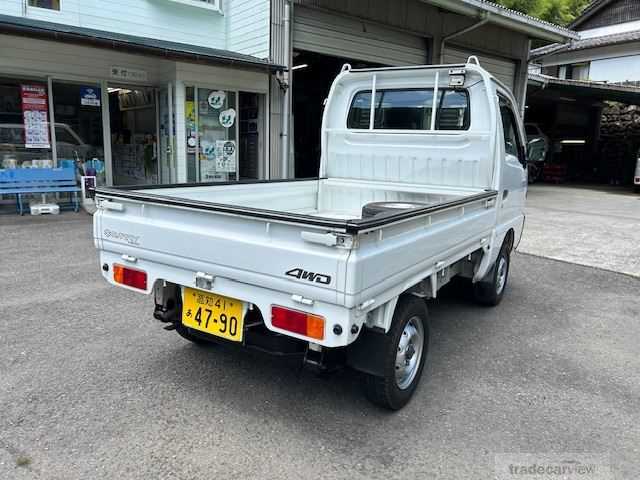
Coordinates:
<point>248,27</point>
<point>242,27</point>
<point>11,7</point>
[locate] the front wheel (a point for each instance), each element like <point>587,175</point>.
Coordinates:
<point>403,356</point>
<point>490,290</point>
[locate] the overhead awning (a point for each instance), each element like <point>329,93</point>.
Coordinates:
<point>559,88</point>
<point>131,44</point>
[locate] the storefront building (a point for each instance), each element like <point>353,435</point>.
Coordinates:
<point>136,110</point>
<point>177,91</point>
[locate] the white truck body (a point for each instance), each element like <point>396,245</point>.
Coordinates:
<point>303,244</point>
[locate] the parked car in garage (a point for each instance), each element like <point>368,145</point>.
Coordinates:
<point>14,152</point>
<point>537,149</point>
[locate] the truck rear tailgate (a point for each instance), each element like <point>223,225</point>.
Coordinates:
<point>247,250</point>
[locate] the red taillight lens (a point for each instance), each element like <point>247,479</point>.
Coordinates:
<point>295,321</point>
<point>130,276</point>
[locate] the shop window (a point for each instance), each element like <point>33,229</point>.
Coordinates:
<point>224,135</point>
<point>24,124</point>
<point>78,127</point>
<point>211,132</point>
<point>48,4</point>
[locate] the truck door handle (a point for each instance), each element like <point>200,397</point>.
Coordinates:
<point>505,194</point>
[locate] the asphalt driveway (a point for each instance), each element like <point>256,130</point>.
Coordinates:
<point>598,226</point>
<point>91,387</point>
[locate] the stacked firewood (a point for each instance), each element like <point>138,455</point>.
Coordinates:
<point>620,122</point>
<point>619,140</point>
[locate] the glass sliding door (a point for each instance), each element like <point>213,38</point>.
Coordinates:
<point>77,110</point>
<point>134,142</point>
<point>211,135</point>
<point>166,132</point>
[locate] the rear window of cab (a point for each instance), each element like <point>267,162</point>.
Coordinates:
<point>410,109</point>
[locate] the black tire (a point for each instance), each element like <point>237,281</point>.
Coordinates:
<point>187,335</point>
<point>385,390</point>
<point>490,290</point>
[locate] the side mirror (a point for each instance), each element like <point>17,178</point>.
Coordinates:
<point>536,150</point>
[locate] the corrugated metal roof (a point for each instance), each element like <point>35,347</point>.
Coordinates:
<point>593,42</point>
<point>131,43</point>
<point>511,18</point>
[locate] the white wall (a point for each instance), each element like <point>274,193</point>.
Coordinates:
<point>619,69</point>
<point>610,29</point>
<point>247,21</point>
<point>248,26</point>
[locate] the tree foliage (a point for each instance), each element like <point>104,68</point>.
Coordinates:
<point>561,12</point>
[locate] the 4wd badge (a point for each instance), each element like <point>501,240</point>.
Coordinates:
<point>301,274</point>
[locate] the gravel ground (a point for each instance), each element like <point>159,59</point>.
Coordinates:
<point>91,387</point>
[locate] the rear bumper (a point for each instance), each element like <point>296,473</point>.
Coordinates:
<point>261,297</point>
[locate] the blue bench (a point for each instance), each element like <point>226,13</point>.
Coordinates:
<point>22,181</point>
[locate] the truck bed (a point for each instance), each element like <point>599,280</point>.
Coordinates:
<point>333,203</point>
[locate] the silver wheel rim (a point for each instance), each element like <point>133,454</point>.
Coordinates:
<point>409,354</point>
<point>501,277</point>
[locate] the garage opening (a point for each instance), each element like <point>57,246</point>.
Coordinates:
<point>591,130</point>
<point>313,75</point>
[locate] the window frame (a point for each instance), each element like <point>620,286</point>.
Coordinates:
<point>521,151</point>
<point>214,5</point>
<point>45,9</point>
<point>467,116</point>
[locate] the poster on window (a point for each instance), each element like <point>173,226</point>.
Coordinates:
<point>90,96</point>
<point>225,156</point>
<point>35,116</point>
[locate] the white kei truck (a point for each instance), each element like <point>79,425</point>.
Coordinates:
<point>422,178</point>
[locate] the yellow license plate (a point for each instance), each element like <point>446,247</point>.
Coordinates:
<point>214,314</point>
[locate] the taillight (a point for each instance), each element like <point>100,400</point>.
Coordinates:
<point>130,276</point>
<point>295,321</point>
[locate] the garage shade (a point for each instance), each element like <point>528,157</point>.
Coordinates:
<point>340,36</point>
<point>503,69</point>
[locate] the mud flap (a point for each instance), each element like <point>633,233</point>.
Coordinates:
<point>366,354</point>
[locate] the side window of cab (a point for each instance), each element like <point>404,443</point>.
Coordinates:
<point>512,141</point>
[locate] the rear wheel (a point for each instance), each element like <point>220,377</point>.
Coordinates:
<point>490,290</point>
<point>403,356</point>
